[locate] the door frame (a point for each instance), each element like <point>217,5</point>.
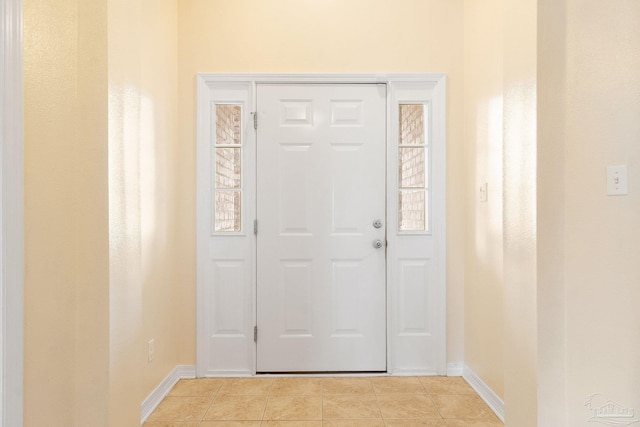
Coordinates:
<point>398,86</point>
<point>11,216</point>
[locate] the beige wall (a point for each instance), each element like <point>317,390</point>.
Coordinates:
<point>551,218</point>
<point>292,36</point>
<point>587,256</point>
<point>66,228</point>
<point>602,272</point>
<point>483,139</point>
<point>100,136</point>
<point>142,208</point>
<point>520,191</point>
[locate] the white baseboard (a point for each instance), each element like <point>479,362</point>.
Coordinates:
<point>455,369</point>
<point>490,398</point>
<point>153,400</point>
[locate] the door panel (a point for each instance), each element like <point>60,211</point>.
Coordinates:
<point>321,296</point>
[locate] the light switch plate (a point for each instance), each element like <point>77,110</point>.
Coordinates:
<point>617,182</point>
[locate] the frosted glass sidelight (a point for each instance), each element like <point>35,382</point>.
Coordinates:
<point>412,210</point>
<point>228,211</point>
<point>228,124</point>
<point>412,125</point>
<point>227,157</point>
<point>413,168</point>
<point>228,167</point>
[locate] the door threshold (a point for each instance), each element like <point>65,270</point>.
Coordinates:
<point>323,374</point>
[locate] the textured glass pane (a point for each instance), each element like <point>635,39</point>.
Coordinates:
<point>228,167</point>
<point>412,167</point>
<point>411,210</point>
<point>228,125</point>
<point>228,211</point>
<point>411,124</point>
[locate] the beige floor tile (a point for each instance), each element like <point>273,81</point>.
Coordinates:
<point>275,423</point>
<point>446,385</point>
<point>372,422</point>
<point>296,386</point>
<point>354,406</point>
<point>254,386</point>
<point>199,387</point>
<point>397,385</point>
<point>426,422</point>
<point>407,406</point>
<point>347,386</point>
<point>344,402</point>
<point>474,423</point>
<point>229,424</point>
<point>236,408</point>
<point>294,408</point>
<point>461,406</point>
<point>180,409</point>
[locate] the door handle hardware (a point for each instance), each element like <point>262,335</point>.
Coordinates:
<point>377,243</point>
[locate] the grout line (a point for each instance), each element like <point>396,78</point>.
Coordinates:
<point>213,397</point>
<point>322,401</point>
<point>435,406</point>
<point>266,402</point>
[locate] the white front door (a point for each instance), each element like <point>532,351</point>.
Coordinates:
<point>321,293</point>
<point>315,285</point>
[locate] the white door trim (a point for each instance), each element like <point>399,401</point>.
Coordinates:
<point>11,214</point>
<point>435,84</point>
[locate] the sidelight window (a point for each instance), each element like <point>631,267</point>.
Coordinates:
<point>413,156</point>
<point>228,168</point>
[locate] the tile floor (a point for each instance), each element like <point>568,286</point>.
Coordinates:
<point>317,402</point>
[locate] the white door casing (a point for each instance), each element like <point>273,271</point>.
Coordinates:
<point>226,263</point>
<point>11,216</point>
<point>321,297</point>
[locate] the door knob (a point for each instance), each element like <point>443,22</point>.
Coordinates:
<point>377,243</point>
<point>377,223</point>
